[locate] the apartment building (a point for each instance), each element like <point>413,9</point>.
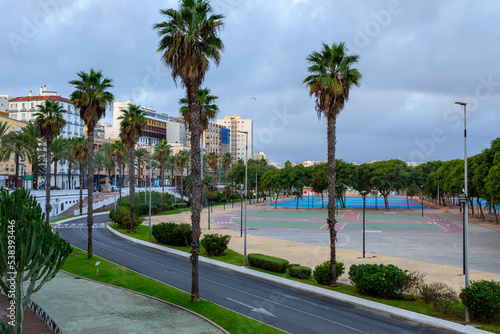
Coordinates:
<point>238,140</point>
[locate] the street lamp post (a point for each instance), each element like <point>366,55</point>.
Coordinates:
<point>363,193</point>
<point>466,209</point>
<point>246,190</point>
<point>114,155</point>
<point>150,177</point>
<point>422,198</point>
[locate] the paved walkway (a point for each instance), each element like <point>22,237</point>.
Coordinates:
<point>79,305</point>
<point>98,197</point>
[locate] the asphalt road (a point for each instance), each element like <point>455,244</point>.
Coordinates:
<point>285,308</point>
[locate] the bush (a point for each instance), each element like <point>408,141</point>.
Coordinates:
<point>440,295</point>
<point>322,272</point>
<point>293,265</point>
<point>215,244</point>
<point>173,234</point>
<point>181,205</point>
<point>300,272</point>
<point>482,299</point>
<point>214,197</point>
<point>267,262</point>
<point>379,280</point>
<point>122,217</point>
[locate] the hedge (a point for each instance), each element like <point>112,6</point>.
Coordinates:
<point>267,262</point>
<point>300,272</point>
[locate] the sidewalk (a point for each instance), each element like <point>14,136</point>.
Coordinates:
<point>102,308</point>
<point>98,197</point>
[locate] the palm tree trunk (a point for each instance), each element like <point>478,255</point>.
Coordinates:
<point>82,175</point>
<point>195,187</point>
<point>34,170</point>
<point>120,185</point>
<point>131,176</point>
<point>162,177</point>
<point>90,187</point>
<point>182,186</point>
<point>48,207</point>
<point>331,136</point>
<point>55,175</point>
<point>69,175</point>
<point>17,171</point>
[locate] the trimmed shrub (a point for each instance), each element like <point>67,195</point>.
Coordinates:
<point>215,244</point>
<point>301,272</point>
<point>482,299</point>
<point>181,205</point>
<point>173,234</point>
<point>267,262</point>
<point>440,295</point>
<point>322,272</point>
<point>383,281</point>
<point>293,265</point>
<point>122,217</point>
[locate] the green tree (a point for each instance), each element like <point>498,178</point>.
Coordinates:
<point>181,160</point>
<point>208,109</point>
<point>132,122</point>
<point>141,155</point>
<point>12,143</point>
<point>59,153</point>
<point>330,81</point>
<point>162,152</point>
<point>492,184</point>
<point>319,180</point>
<point>99,162</point>
<point>36,255</point>
<point>272,180</point>
<point>227,160</point>
<point>90,98</point>
<point>213,161</point>
<point>80,151</point>
<point>33,144</point>
<point>389,176</point>
<point>49,122</point>
<point>188,41</point>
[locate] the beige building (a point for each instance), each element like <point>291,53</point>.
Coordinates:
<point>8,167</point>
<point>238,140</point>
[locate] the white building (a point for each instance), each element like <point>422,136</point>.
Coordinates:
<point>259,156</point>
<point>4,103</point>
<point>24,109</point>
<point>237,139</point>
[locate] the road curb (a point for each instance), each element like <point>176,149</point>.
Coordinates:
<point>77,217</point>
<point>358,302</point>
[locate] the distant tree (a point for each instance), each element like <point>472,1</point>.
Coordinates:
<point>80,151</point>
<point>389,176</point>
<point>319,180</point>
<point>162,152</point>
<point>120,151</point>
<point>213,161</point>
<point>181,159</point>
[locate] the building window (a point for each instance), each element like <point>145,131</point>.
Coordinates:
<point>11,168</point>
<point>1,168</point>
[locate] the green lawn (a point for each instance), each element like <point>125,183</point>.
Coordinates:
<point>62,218</point>
<point>418,306</point>
<point>119,276</point>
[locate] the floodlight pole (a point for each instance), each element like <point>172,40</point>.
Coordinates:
<point>246,181</point>
<point>466,208</point>
<point>150,177</point>
<point>364,228</point>
<point>422,198</point>
<point>115,180</point>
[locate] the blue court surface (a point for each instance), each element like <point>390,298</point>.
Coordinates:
<point>352,202</point>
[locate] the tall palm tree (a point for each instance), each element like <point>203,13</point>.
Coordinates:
<point>213,161</point>
<point>91,97</point>
<point>263,162</point>
<point>181,159</point>
<point>109,163</point>
<point>227,159</point>
<point>141,154</point>
<point>330,80</point>
<point>49,122</point>
<point>120,150</point>
<point>188,41</point>
<point>162,153</point>
<point>70,158</point>
<point>80,151</point>
<point>33,145</point>
<point>208,109</point>
<point>59,153</point>
<point>132,122</point>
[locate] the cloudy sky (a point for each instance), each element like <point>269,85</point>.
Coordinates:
<point>416,57</point>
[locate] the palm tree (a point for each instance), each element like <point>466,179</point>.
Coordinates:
<point>330,80</point>
<point>80,151</point>
<point>109,163</point>
<point>208,109</point>
<point>162,153</point>
<point>59,153</point>
<point>91,98</point>
<point>188,41</point>
<point>141,154</point>
<point>49,122</point>
<point>132,122</point>
<point>263,162</point>
<point>120,150</point>
<point>227,159</point>
<point>33,144</point>
<point>181,159</point>
<point>70,158</point>
<point>213,161</point>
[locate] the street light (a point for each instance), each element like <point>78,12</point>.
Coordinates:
<point>246,181</point>
<point>114,155</point>
<point>363,193</point>
<point>150,177</point>
<point>422,198</point>
<point>466,208</point>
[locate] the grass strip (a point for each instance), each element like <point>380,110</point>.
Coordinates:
<point>113,274</point>
<point>417,306</point>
